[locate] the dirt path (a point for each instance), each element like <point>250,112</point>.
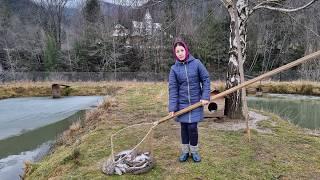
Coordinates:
<point>235,125</point>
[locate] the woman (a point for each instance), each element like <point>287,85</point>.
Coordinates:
<point>189,83</point>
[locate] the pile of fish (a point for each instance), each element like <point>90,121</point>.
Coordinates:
<point>128,161</point>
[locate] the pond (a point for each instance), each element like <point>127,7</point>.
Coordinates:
<point>298,109</point>
<point>28,126</point>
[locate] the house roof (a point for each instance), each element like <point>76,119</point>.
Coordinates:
<point>146,27</point>
<point>120,30</point>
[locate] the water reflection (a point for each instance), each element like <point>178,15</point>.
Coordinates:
<point>12,166</point>
<point>300,110</point>
<point>32,139</point>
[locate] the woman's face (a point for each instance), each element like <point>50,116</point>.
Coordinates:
<point>180,52</point>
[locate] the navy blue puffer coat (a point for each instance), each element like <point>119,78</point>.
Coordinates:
<point>188,83</point>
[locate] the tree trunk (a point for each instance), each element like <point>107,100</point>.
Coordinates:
<point>233,101</point>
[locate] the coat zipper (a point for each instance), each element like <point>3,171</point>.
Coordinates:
<point>185,67</point>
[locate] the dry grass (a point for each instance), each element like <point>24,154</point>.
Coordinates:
<point>75,126</point>
<point>27,89</point>
<point>92,118</point>
<point>292,87</point>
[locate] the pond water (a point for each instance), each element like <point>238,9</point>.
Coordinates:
<point>29,125</point>
<point>298,109</point>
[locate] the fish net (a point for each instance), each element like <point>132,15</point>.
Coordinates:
<point>131,150</point>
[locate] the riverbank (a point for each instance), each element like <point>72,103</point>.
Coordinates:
<point>283,87</point>
<point>286,152</point>
<point>291,87</point>
<point>38,89</point>
<point>28,89</point>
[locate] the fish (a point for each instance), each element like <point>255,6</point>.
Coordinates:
<point>141,157</point>
<point>117,171</point>
<point>128,161</point>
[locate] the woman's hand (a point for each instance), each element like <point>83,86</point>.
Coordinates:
<point>171,113</point>
<point>204,102</point>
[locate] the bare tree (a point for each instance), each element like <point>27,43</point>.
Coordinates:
<point>11,62</point>
<point>53,12</point>
<point>234,104</point>
<point>1,74</point>
<point>311,70</point>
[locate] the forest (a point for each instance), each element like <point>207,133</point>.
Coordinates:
<point>97,36</point>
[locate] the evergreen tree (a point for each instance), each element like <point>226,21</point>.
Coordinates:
<point>92,50</point>
<point>212,45</point>
<point>50,54</point>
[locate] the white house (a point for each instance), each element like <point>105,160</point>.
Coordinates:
<point>139,29</point>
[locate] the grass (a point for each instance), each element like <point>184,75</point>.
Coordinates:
<point>292,87</point>
<point>283,87</point>
<point>27,89</point>
<point>287,153</point>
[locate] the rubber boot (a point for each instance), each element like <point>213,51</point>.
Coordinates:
<point>185,153</point>
<point>195,153</point>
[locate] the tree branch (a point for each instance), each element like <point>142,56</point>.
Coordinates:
<point>227,3</point>
<point>265,2</point>
<point>263,5</point>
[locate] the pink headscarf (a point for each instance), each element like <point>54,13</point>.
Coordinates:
<point>180,42</point>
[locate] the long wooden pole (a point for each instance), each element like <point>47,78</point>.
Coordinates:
<point>231,90</point>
